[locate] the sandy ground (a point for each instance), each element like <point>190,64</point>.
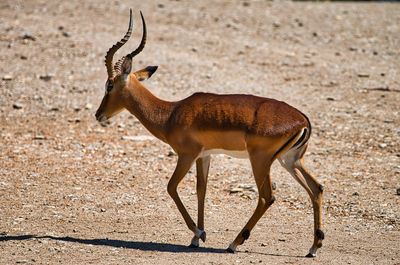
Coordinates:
<point>75,192</point>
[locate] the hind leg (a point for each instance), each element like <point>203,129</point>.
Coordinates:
<point>260,163</point>
<point>293,162</point>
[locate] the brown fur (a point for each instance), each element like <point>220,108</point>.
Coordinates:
<point>263,128</point>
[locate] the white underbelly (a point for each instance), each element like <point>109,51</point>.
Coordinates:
<point>233,153</point>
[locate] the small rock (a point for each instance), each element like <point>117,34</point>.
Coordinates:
<point>246,4</point>
<point>7,77</point>
<point>398,191</point>
<point>170,153</point>
<point>363,75</point>
<point>28,36</point>
<point>102,210</point>
<point>382,145</point>
<point>235,190</point>
<point>276,24</point>
<point>39,137</point>
<point>23,57</point>
<point>330,83</point>
<point>46,77</point>
<point>330,99</point>
<point>66,34</point>
<point>356,193</point>
<point>138,138</point>
<point>17,105</point>
<point>88,106</point>
<point>54,109</point>
<point>160,5</point>
<point>299,23</point>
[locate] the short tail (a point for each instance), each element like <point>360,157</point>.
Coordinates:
<point>305,136</point>
<point>296,141</point>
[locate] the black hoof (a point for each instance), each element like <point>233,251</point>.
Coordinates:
<point>229,250</point>
<point>192,246</point>
<point>309,255</point>
<point>203,236</point>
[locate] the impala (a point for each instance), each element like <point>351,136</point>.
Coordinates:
<point>239,125</point>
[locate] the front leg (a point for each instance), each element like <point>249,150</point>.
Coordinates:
<point>182,167</point>
<point>202,167</point>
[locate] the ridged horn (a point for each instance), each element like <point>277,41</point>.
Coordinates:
<point>143,42</point>
<point>115,47</point>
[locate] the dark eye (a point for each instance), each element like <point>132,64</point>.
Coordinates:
<point>109,85</point>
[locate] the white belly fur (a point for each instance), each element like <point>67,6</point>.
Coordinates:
<point>233,153</point>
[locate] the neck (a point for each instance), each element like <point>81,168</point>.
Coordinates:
<point>151,111</point>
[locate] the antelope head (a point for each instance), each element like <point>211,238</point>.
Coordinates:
<point>119,78</point>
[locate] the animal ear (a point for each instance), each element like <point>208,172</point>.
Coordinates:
<point>126,66</point>
<point>145,73</point>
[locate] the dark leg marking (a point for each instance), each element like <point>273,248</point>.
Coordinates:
<point>246,234</point>
<point>203,236</point>
<point>273,199</point>
<point>229,250</point>
<point>319,234</point>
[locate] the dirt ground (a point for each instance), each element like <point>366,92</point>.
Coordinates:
<point>75,192</point>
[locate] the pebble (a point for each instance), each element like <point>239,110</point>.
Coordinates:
<point>17,105</point>
<point>138,138</point>
<point>382,145</point>
<point>363,75</point>
<point>7,77</point>
<point>88,106</point>
<point>39,137</point>
<point>66,34</point>
<point>28,36</point>
<point>54,109</point>
<point>398,191</point>
<point>46,77</point>
<point>276,25</point>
